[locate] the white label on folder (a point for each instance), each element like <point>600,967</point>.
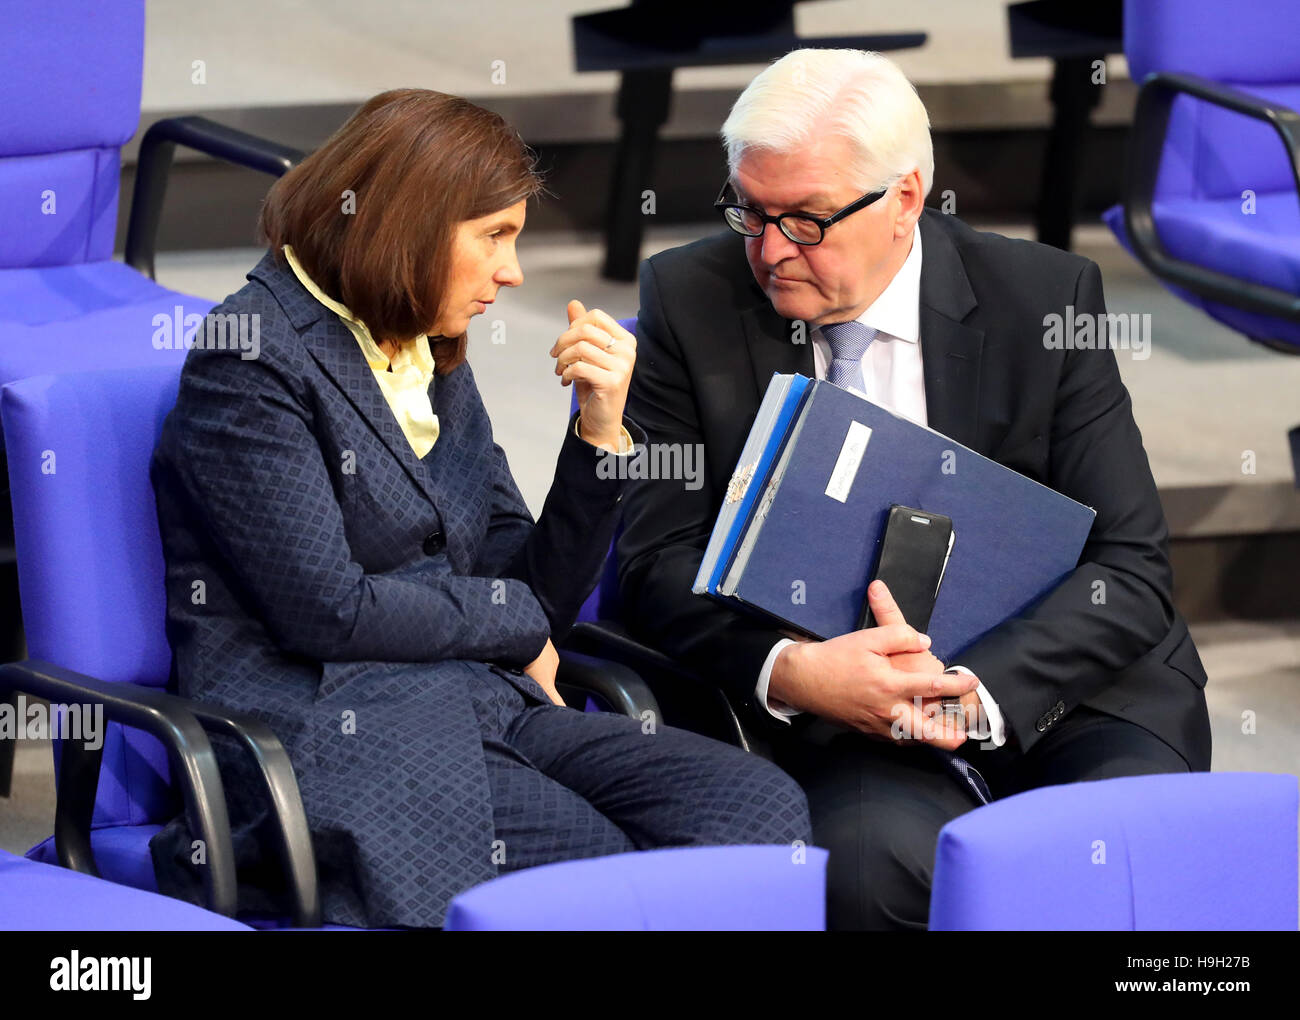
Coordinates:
<point>846,466</point>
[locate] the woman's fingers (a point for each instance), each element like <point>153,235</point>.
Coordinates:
<point>611,326</point>
<point>588,353</point>
<point>585,332</point>
<point>582,371</point>
<point>599,328</point>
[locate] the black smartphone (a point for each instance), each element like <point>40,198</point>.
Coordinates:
<point>913,557</point>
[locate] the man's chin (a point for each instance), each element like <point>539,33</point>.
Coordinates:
<point>787,308</point>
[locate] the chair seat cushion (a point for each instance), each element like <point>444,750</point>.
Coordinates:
<point>121,854</point>
<point>87,317</point>
<point>40,897</point>
<point>728,888</point>
<point>1263,247</point>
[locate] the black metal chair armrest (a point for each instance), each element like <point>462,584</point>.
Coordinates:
<point>166,717</point>
<point>614,683</point>
<point>1150,125</point>
<point>293,835</point>
<point>153,167</point>
<point>691,701</point>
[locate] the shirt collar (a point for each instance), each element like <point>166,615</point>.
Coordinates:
<point>416,352</point>
<point>897,311</point>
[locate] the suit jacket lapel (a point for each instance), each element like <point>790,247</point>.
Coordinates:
<point>950,350</point>
<point>335,349</point>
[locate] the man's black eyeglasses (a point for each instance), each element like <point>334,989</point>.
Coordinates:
<point>801,228</point>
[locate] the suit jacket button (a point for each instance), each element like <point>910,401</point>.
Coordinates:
<point>1041,725</point>
<point>433,543</point>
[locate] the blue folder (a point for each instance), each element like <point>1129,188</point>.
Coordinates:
<point>807,546</point>
<point>784,396</point>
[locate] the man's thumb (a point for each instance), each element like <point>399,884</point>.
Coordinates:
<point>579,313</point>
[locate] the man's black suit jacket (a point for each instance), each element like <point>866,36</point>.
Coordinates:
<point>709,341</point>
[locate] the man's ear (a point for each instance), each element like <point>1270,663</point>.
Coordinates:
<point>911,203</point>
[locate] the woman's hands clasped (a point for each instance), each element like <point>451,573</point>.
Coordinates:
<point>596,354</point>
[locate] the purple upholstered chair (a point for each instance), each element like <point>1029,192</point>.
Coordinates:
<point>1190,852</point>
<point>1212,195</point>
<point>70,75</point>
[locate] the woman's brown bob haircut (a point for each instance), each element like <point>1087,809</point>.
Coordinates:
<point>415,163</point>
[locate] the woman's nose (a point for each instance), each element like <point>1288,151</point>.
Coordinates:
<point>511,274</point>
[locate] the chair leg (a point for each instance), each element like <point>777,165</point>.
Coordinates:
<point>1294,436</point>
<point>1073,97</point>
<point>643,101</point>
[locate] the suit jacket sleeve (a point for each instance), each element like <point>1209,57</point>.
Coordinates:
<point>239,445</point>
<point>1117,604</point>
<point>666,527</point>
<point>560,557</point>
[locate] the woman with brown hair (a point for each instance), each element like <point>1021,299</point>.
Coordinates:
<point>349,559</point>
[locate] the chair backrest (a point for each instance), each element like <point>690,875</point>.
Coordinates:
<point>90,564</point>
<point>604,603</point>
<point>1193,851</point>
<point>1252,45</point>
<point>70,75</point>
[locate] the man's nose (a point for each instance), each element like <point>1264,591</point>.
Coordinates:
<point>776,246</point>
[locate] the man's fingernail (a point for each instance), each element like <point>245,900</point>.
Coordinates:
<point>925,640</point>
<point>877,587</point>
<point>954,672</point>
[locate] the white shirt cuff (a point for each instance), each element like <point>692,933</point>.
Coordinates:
<point>996,731</point>
<point>625,444</point>
<point>779,710</point>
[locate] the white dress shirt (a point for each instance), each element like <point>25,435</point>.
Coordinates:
<point>892,372</point>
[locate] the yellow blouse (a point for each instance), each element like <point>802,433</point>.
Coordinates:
<point>406,386</point>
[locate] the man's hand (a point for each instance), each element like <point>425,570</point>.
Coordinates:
<point>885,611</point>
<point>596,354</point>
<point>854,679</point>
<point>543,669</point>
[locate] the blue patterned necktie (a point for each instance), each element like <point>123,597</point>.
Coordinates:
<point>848,342</point>
<point>966,774</point>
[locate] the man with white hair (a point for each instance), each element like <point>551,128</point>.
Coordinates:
<point>832,267</point>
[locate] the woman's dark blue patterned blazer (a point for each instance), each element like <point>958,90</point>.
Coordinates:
<point>324,578</point>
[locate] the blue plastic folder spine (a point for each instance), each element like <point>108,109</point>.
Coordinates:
<point>737,485</point>
<point>756,483</point>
